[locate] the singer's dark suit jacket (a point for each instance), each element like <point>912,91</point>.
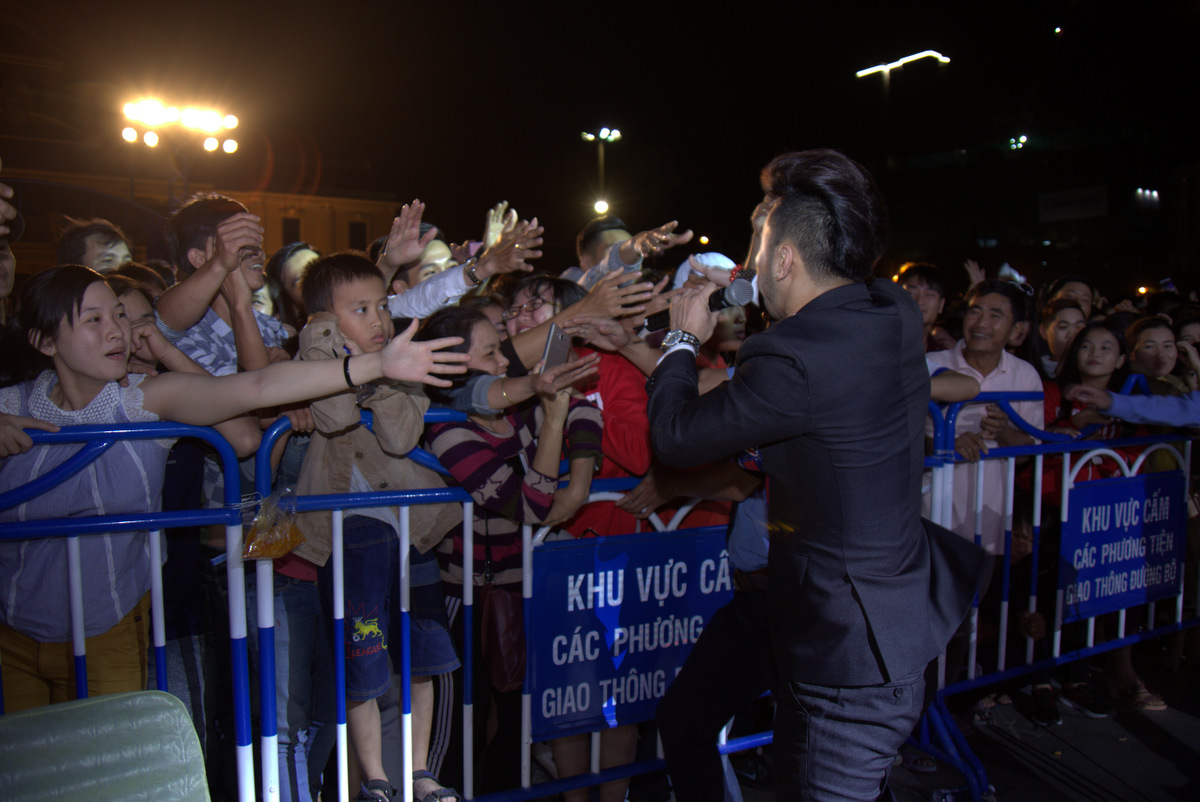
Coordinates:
<point>836,397</point>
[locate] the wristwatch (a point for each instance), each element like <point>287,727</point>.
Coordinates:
<point>680,337</point>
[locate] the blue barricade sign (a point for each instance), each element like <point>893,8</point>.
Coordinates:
<point>615,617</point>
<point>1122,543</point>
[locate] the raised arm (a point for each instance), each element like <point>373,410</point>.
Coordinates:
<point>201,400</point>
<point>183,304</point>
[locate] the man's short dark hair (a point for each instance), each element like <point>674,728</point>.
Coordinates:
<point>923,273</point>
<point>72,242</point>
<point>829,207</point>
<point>328,273</point>
<point>589,235</point>
<point>1017,295</point>
<point>194,223</point>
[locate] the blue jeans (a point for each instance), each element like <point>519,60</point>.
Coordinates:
<point>303,683</point>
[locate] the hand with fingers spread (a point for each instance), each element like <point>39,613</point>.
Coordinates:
<point>405,242</point>
<point>498,220</point>
<point>975,274</point>
<point>511,250</point>
<point>459,252</point>
<point>425,362</point>
<point>607,298</point>
<point>653,242</point>
<point>661,299</point>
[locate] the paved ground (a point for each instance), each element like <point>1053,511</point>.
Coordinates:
<point>1131,757</point>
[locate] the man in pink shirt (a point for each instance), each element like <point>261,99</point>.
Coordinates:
<point>997,314</point>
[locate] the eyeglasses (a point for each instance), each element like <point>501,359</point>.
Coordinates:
<point>537,302</point>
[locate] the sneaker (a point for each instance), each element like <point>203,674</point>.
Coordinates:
<point>1045,707</point>
<point>1087,701</point>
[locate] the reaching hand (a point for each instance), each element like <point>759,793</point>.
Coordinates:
<point>599,332</point>
<point>405,360</point>
<point>405,243</point>
<point>607,298</point>
<point>689,311</point>
<point>720,276</point>
<point>562,377</point>
<point>459,251</point>
<point>1092,396</point>
<point>661,300</point>
<point>515,245</point>
<point>15,441</point>
<point>235,234</point>
<point>498,220</point>
<point>975,274</point>
<point>653,242</point>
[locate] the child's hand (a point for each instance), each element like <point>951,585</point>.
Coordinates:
<point>405,360</point>
<point>13,440</point>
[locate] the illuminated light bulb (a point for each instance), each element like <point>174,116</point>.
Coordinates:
<point>129,135</point>
<point>1141,290</point>
<point>604,133</point>
<point>614,135</point>
<point>601,207</point>
<point>230,121</point>
<point>704,240</point>
<point>150,138</point>
<point>230,146</point>
<point>211,144</point>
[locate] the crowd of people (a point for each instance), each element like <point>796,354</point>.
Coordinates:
<point>226,335</point>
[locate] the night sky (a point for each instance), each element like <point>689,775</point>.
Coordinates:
<point>464,104</point>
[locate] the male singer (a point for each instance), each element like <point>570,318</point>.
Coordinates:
<point>834,395</point>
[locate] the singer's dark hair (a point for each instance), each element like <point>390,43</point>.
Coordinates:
<point>828,206</point>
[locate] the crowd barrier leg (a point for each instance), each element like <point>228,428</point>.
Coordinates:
<point>339,656</point>
<point>527,622</point>
<point>158,611</point>
<point>269,738</point>
<point>75,589</point>
<point>404,781</point>
<point>236,575</point>
<point>468,659</point>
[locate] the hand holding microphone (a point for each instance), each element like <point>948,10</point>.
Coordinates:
<point>739,293</point>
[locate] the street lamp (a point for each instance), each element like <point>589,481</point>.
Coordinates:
<point>886,69</point>
<point>153,121</point>
<point>605,135</point>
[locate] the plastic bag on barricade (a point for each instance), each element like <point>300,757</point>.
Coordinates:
<point>274,532</point>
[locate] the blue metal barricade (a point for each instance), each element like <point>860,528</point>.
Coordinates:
<point>99,439</point>
<point>938,734</point>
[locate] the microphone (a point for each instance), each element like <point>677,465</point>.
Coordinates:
<point>739,293</point>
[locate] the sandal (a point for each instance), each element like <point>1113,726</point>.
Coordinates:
<point>436,794</point>
<point>1139,697</point>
